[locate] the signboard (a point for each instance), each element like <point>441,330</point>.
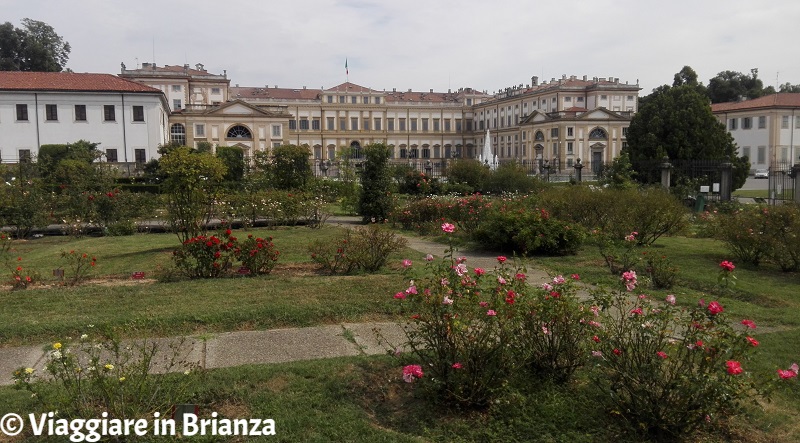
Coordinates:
<point>137,275</point>
<point>243,271</point>
<point>703,188</point>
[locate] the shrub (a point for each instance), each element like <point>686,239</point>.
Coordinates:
<point>205,257</point>
<point>79,266</point>
<point>745,233</point>
<point>554,329</point>
<point>462,330</point>
<point>366,249</point>
<point>469,173</point>
<point>783,226</point>
<point>660,269</point>
<point>667,370</point>
<point>417,183</point>
<point>422,215</point>
<point>511,177</point>
<point>528,232</point>
<point>375,202</point>
<point>99,374</point>
<point>257,254</point>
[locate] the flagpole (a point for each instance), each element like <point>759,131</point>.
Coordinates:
<point>347,71</point>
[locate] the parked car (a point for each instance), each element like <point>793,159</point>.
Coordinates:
<point>761,173</point>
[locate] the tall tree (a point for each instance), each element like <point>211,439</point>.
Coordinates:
<point>37,47</point>
<point>788,87</point>
<point>376,201</point>
<point>731,86</point>
<point>677,123</point>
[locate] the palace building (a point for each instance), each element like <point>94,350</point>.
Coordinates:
<point>559,121</point>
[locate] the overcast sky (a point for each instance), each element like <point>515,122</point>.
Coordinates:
<point>424,44</point>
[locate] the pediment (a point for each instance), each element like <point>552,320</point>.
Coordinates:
<point>600,113</point>
<point>237,107</point>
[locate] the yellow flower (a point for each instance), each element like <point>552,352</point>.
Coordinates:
<point>29,370</point>
<point>109,366</point>
<point>56,345</point>
<point>122,379</point>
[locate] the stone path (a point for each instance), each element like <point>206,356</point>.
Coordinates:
<point>278,345</point>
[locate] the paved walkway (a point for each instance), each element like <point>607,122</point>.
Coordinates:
<point>277,345</point>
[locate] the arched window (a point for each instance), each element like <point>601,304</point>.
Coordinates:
<point>426,152</point>
<point>403,153</point>
<point>177,134</point>
<point>598,133</point>
<point>239,131</point>
<point>414,153</point>
<point>355,150</point>
<point>539,136</point>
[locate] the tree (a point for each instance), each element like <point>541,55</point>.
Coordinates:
<point>677,123</point>
<point>731,86</point>
<point>619,175</point>
<point>233,158</point>
<point>468,172</point>
<point>37,47</point>
<point>290,167</point>
<point>788,87</point>
<point>375,202</point>
<point>192,184</point>
<point>686,76</point>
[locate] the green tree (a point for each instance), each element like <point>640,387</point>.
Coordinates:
<point>468,172</point>
<point>619,175</point>
<point>290,167</point>
<point>788,87</point>
<point>731,86</point>
<point>376,201</point>
<point>50,156</point>
<point>677,123</point>
<point>686,76</point>
<point>37,47</point>
<point>192,184</point>
<point>233,158</point>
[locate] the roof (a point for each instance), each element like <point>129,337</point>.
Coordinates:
<point>350,87</point>
<point>69,82</point>
<point>779,100</point>
<point>246,93</point>
<point>419,97</point>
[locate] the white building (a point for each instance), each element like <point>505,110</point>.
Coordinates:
<point>766,129</point>
<point>128,119</point>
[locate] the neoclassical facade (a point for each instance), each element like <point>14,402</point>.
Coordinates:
<point>559,121</point>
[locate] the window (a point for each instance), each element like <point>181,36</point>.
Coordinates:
<point>785,122</point>
<point>732,124</point>
<point>469,125</point>
<point>51,113</point>
<point>111,155</point>
<point>377,123</point>
<point>80,113</point>
<point>354,123</point>
<point>330,99</point>
<point>176,88</point>
<point>342,124</point>
<point>554,132</point>
<point>139,156</point>
<point>24,155</point>
<point>762,155</point>
<point>366,100</point>
<point>413,124</point>
<point>216,91</point>
<point>580,99</point>
<point>424,124</point>
<point>539,136</point>
<point>625,131</point>
<point>276,144</point>
<point>22,112</point>
<point>747,122</point>
<point>555,148</point>
<point>331,123</point>
<point>469,102</point>
<point>390,124</point>
<point>570,131</point>
<point>109,114</point>
<point>276,130</point>
<point>598,133</point>
<point>315,124</point>
<point>177,134</point>
<point>458,125</point>
<point>377,100</point>
<point>176,104</point>
<point>239,131</point>
<point>567,99</point>
<point>447,125</point>
<point>292,124</point>
<point>402,124</point>
<point>603,97</point>
<point>353,99</point>
<point>341,99</point>
<point>436,125</point>
<point>365,123</point>
<point>569,147</point>
<point>617,98</point>
<point>554,100</point>
<point>304,124</point>
<point>138,113</point>
<point>426,153</point>
<point>746,152</point>
<point>199,130</point>
<point>797,122</point>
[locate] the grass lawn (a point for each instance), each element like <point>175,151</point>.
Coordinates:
<point>294,295</point>
<point>365,399</point>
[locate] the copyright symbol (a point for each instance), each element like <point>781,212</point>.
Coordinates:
<point>11,424</point>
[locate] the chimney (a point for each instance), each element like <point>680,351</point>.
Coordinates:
<point>304,87</point>
<point>276,86</point>
<point>584,78</point>
<point>394,89</point>
<point>535,80</point>
<point>145,65</point>
<point>186,67</point>
<point>431,90</point>
<point>409,89</point>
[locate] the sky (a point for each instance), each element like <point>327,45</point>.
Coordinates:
<point>427,44</point>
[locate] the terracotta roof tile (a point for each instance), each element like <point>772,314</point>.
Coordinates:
<point>779,100</point>
<point>246,93</point>
<point>69,81</point>
<point>350,87</point>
